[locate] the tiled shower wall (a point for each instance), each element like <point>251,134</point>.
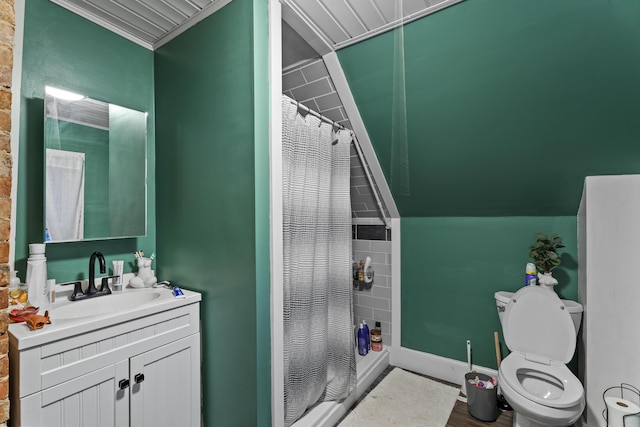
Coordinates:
<point>373,303</point>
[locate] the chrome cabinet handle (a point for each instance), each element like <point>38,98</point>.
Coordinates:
<point>139,378</point>
<point>123,384</point>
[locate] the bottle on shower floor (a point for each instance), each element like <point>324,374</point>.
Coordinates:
<point>376,338</point>
<point>362,341</point>
<point>366,331</point>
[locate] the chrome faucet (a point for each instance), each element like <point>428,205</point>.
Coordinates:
<point>92,291</point>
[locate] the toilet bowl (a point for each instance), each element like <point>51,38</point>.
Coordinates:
<point>539,330</point>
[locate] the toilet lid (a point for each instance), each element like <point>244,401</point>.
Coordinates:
<point>537,324</point>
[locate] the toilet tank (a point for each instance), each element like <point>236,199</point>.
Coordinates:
<point>575,309</point>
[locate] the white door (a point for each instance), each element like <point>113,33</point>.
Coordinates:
<point>165,385</point>
<point>92,400</point>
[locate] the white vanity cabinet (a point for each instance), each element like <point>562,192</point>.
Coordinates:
<point>139,372</point>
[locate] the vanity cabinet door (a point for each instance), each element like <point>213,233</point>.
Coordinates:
<point>165,385</point>
<point>91,400</point>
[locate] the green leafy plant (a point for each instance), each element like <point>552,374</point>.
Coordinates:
<point>545,251</point>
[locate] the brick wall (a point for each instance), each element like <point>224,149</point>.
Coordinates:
<point>7,29</point>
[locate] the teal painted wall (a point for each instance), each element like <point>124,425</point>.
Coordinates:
<point>212,203</point>
<point>262,119</point>
<point>452,266</point>
<point>63,50</point>
<point>509,105</point>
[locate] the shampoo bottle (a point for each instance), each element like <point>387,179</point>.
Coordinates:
<point>366,331</point>
<point>362,341</point>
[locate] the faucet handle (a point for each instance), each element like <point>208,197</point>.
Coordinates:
<point>77,290</point>
<point>104,285</point>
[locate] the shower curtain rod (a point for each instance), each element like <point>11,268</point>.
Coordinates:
<point>356,144</point>
<point>316,114</point>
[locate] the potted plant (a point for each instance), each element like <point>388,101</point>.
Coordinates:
<point>545,257</point>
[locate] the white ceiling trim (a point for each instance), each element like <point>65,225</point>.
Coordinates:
<point>103,23</point>
<point>318,30</point>
<point>200,16</point>
<point>397,23</point>
<point>306,29</point>
<point>120,24</point>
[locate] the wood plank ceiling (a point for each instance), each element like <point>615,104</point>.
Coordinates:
<point>331,24</point>
<point>149,23</point>
<point>328,25</point>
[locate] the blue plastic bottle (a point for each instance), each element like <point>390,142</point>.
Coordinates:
<point>367,333</point>
<point>362,341</point>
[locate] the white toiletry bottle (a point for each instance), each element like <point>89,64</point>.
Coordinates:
<point>37,276</point>
<point>368,270</point>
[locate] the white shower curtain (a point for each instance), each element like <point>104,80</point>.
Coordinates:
<point>319,355</point>
<point>64,195</point>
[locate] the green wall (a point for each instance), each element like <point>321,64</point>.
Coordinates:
<point>452,266</point>
<point>212,203</point>
<point>509,105</point>
<point>64,50</point>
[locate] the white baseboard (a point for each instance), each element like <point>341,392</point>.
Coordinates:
<point>435,366</point>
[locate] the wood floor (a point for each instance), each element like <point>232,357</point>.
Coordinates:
<point>459,417</point>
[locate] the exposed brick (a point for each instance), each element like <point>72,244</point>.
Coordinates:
<point>5,276</point>
<point>7,11</point>
<point>6,56</point>
<point>5,162</point>
<point>4,365</point>
<point>4,388</point>
<point>4,343</point>
<point>4,410</point>
<point>5,99</point>
<point>4,256</point>
<point>5,211</point>
<point>7,33</point>
<point>6,71</point>
<point>5,120</point>
<point>5,142</point>
<point>5,228</point>
<point>5,187</point>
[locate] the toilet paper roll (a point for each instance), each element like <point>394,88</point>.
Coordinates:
<point>617,409</point>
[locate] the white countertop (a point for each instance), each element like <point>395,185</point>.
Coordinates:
<point>67,325</point>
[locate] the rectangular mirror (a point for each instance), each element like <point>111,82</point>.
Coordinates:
<point>95,169</point>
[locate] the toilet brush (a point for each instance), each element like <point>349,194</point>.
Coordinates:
<point>502,402</point>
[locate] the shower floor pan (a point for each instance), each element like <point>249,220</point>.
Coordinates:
<point>327,414</point>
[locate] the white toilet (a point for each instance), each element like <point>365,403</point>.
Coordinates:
<point>540,329</point>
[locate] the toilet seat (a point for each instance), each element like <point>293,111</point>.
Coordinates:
<point>571,395</point>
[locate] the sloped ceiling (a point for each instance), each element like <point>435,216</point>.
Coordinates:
<point>150,23</point>
<point>507,105</point>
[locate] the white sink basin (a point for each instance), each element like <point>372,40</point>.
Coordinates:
<point>102,305</point>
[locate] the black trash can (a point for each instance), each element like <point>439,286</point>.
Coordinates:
<point>482,403</point>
